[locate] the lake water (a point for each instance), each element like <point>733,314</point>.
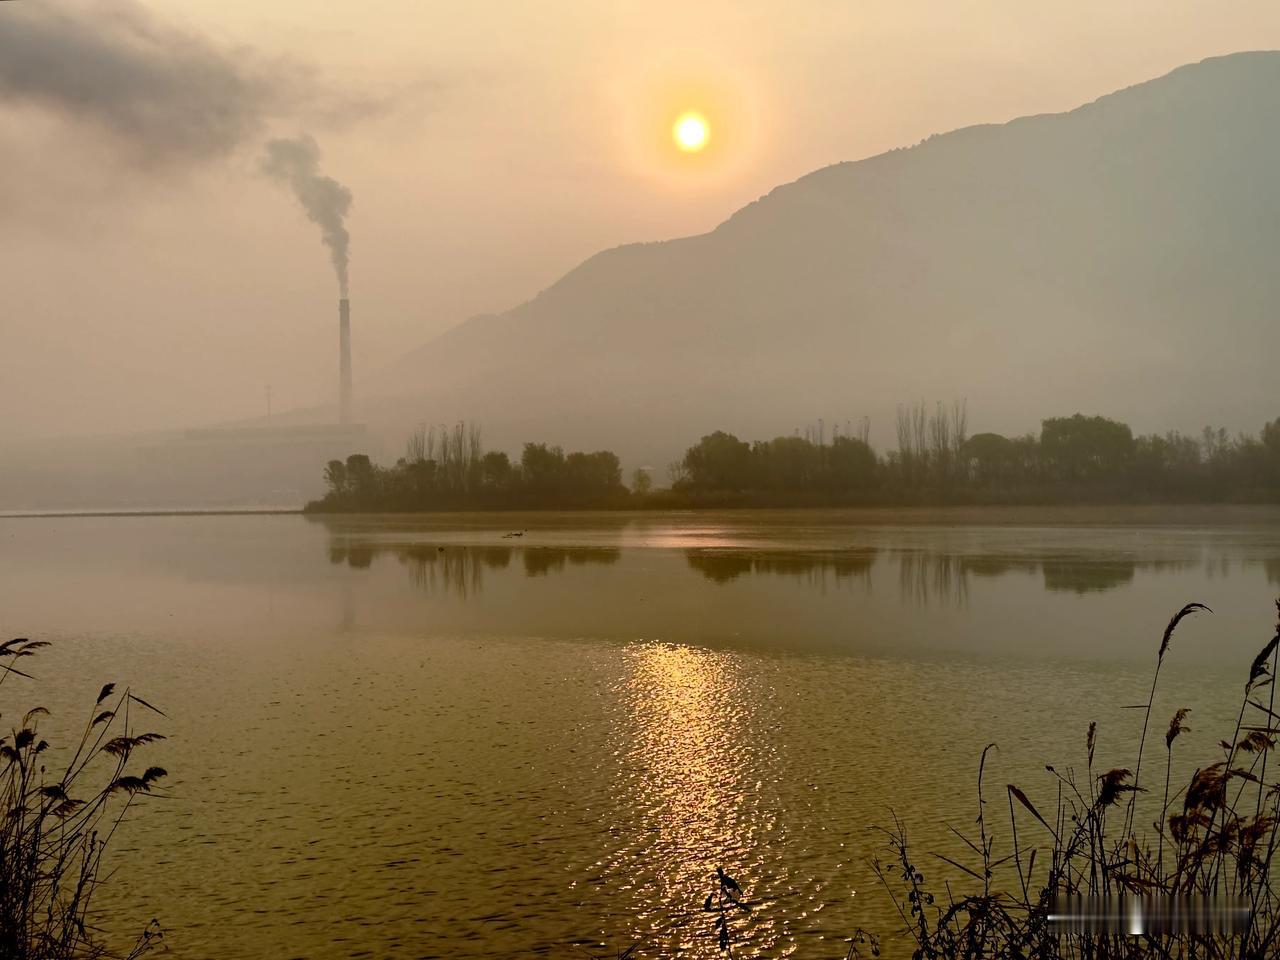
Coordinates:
<point>414,737</point>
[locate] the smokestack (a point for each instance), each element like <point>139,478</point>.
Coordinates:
<point>344,360</point>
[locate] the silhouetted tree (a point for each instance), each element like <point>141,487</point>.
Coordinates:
<point>588,473</point>
<point>1271,450</point>
<point>361,478</point>
<point>852,464</point>
<point>542,467</point>
<point>335,475</point>
<point>416,447</point>
<point>1080,448</point>
<point>989,457</point>
<point>1073,458</point>
<point>720,461</point>
<point>784,463</point>
<point>495,470</point>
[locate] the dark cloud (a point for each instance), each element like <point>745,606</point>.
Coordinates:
<point>164,93</point>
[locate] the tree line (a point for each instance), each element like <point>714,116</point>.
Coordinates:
<point>1072,459</point>
<point>1076,458</point>
<point>449,469</point>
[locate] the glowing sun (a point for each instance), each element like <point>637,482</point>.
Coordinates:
<point>691,132</point>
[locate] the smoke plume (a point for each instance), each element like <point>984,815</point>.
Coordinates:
<point>164,94</point>
<point>296,163</point>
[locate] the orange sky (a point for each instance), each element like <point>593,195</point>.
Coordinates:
<point>490,147</point>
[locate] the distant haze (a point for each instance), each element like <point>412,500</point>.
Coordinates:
<point>155,278</point>
<point>1119,258</point>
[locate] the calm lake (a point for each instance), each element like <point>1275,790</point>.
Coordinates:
<point>420,737</point>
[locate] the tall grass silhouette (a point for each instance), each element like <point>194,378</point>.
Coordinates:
<point>1213,838</point>
<point>57,819</point>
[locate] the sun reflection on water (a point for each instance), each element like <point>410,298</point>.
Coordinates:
<point>691,759</point>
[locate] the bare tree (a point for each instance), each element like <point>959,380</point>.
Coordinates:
<point>906,443</point>
<point>415,448</point>
<point>475,450</point>
<point>920,435</point>
<point>940,443</point>
<point>960,436</point>
<point>641,482</point>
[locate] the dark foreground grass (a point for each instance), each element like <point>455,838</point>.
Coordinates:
<point>57,820</point>
<point>1213,839</point>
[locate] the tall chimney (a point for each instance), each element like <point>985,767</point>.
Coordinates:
<point>344,360</point>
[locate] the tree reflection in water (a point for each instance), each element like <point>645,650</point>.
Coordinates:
<point>459,570</point>
<point>724,566</point>
<point>927,577</point>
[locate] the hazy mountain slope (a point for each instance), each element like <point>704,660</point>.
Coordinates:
<point>1119,258</point>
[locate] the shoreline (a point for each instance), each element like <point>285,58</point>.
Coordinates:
<point>983,514</point>
<point>214,512</point>
<point>1155,514</point>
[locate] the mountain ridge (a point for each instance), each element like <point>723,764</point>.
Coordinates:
<point>1101,221</point>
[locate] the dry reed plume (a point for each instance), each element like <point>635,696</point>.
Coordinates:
<point>58,822</point>
<point>1214,838</point>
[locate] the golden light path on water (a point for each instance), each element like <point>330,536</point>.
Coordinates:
<point>696,741</point>
<point>408,737</point>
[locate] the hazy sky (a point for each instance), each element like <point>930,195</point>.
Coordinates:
<point>155,277</point>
